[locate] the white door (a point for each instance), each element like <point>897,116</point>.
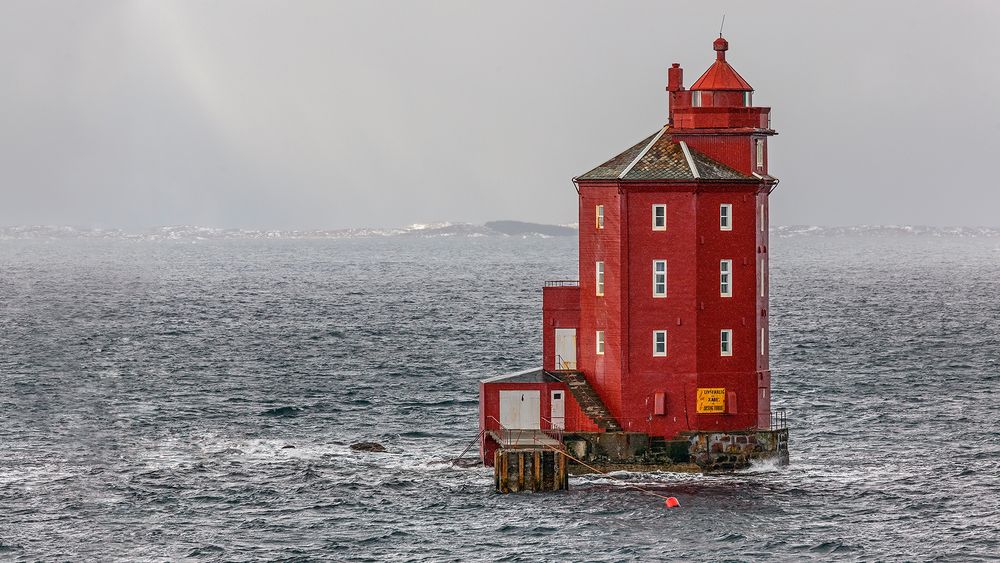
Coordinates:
<point>558,410</point>
<point>565,348</point>
<point>520,409</point>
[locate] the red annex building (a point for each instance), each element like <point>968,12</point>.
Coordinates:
<point>666,332</point>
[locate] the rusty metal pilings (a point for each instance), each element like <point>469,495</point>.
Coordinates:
<point>536,470</point>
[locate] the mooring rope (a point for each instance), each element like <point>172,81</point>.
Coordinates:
<point>605,473</point>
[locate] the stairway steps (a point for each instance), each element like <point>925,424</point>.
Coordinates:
<point>590,402</point>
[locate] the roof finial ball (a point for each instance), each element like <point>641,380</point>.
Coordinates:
<point>721,46</point>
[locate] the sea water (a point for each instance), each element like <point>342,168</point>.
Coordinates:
<point>170,399</point>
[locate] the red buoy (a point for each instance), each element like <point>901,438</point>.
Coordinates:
<point>672,502</point>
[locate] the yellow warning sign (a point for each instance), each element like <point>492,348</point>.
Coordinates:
<point>711,399</point>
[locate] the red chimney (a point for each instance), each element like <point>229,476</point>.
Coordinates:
<point>675,78</point>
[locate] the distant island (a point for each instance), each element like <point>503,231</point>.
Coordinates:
<point>504,228</point>
<point>520,228</point>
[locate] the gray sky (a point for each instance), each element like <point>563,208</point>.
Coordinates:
<point>339,114</point>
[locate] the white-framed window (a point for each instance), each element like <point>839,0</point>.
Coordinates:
<point>660,217</point>
<point>696,99</point>
<point>726,217</point>
<point>599,270</point>
<point>747,99</point>
<point>726,278</point>
<point>763,225</point>
<point>659,278</point>
<point>599,216</point>
<point>762,341</point>
<point>600,343</point>
<point>726,342</point>
<point>760,153</point>
<point>659,343</point>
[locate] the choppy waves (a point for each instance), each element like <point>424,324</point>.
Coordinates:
<point>172,401</point>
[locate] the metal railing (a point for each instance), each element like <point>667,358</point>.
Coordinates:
<point>556,434</point>
<point>778,419</point>
<point>518,437</point>
<point>563,283</point>
<point>562,364</point>
<point>477,440</point>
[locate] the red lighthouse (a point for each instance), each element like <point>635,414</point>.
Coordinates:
<point>666,333</point>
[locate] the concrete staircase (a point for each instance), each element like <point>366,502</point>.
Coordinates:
<point>588,399</point>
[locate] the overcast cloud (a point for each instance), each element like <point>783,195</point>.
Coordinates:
<point>339,114</point>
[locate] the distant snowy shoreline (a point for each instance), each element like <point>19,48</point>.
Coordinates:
<point>514,229</point>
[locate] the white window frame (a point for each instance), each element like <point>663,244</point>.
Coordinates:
<point>726,278</point>
<point>726,342</point>
<point>725,216</point>
<point>762,341</point>
<point>696,99</point>
<point>657,207</point>
<point>748,98</point>
<point>599,216</point>
<point>599,277</point>
<point>759,147</point>
<point>599,345</point>
<point>657,282</point>
<point>763,223</point>
<point>657,334</point>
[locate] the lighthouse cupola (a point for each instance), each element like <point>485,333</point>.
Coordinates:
<point>721,85</point>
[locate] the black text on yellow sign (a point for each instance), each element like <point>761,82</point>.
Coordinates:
<point>711,399</point>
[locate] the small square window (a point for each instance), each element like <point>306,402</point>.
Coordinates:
<point>660,217</point>
<point>726,342</point>
<point>600,343</point>
<point>659,343</point>
<point>726,217</point>
<point>600,216</point>
<point>696,99</point>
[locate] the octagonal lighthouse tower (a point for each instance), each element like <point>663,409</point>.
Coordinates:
<point>666,333</point>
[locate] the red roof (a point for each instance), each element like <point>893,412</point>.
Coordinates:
<point>721,76</point>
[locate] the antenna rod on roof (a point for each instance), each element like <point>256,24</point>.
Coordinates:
<point>723,24</point>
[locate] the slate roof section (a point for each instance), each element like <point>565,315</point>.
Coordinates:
<point>611,169</point>
<point>664,160</point>
<point>535,375</point>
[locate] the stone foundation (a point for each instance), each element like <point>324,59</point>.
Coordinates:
<point>729,451</point>
<point>691,451</point>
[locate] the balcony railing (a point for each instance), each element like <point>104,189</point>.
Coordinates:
<point>509,438</point>
<point>564,365</point>
<point>778,420</point>
<point>563,283</point>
